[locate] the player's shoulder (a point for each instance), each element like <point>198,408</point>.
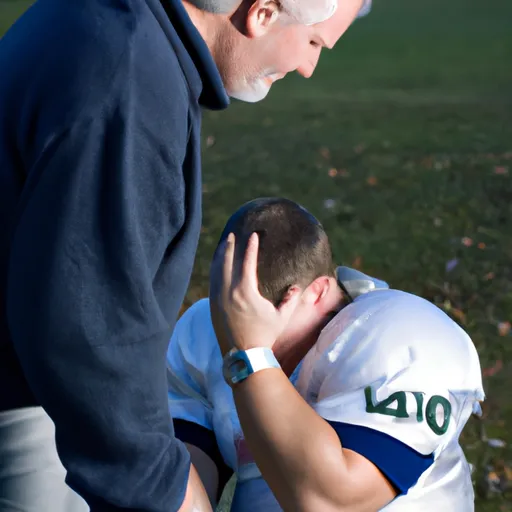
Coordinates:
<point>193,336</point>
<point>390,319</point>
<point>200,310</point>
<point>384,332</point>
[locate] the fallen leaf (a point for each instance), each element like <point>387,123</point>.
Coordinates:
<point>493,370</point>
<point>459,315</point>
<point>210,141</point>
<point>427,162</point>
<point>496,443</point>
<point>329,204</point>
<point>358,261</point>
<point>481,245</point>
<point>325,153</point>
<point>504,328</point>
<point>371,180</point>
<point>489,276</point>
<point>493,477</point>
<point>451,264</point>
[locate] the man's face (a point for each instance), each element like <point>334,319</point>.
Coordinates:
<point>272,49</point>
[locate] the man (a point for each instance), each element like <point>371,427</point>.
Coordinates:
<point>295,250</point>
<point>379,404</point>
<point>100,213</point>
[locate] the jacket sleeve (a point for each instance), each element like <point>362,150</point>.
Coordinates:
<point>101,207</point>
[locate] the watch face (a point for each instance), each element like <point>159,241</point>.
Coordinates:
<point>238,366</point>
<point>236,371</point>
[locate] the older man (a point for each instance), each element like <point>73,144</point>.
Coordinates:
<point>100,213</point>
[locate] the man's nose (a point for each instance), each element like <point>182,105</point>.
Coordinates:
<point>307,68</point>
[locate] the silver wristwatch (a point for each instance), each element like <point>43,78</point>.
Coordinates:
<point>239,364</point>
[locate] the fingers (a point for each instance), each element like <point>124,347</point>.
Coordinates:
<point>227,267</point>
<point>250,265</point>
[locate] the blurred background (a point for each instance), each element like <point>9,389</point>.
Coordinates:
<point>401,144</point>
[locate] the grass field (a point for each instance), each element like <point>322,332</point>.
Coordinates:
<point>401,144</point>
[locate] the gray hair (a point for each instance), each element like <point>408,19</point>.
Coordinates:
<point>302,11</point>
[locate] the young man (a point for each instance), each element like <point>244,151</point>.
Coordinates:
<point>100,214</point>
<point>295,252</point>
<point>378,405</point>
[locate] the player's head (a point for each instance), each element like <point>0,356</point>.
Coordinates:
<point>256,42</point>
<point>294,251</point>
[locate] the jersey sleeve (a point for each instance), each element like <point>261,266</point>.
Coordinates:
<point>394,392</point>
<point>192,350</point>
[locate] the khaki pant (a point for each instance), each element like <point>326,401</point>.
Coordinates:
<point>31,474</point>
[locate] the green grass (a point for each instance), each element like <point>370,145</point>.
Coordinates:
<point>414,112</point>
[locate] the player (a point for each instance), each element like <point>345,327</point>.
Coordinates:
<point>295,251</point>
<point>201,397</point>
<point>379,404</point>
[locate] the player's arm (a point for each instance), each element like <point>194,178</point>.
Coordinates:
<point>205,456</point>
<point>301,455</point>
<point>188,357</point>
<point>207,471</point>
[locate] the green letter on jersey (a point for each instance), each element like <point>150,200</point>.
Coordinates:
<point>431,411</point>
<point>382,407</point>
<point>401,408</point>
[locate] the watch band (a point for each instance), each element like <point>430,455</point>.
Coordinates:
<point>239,364</point>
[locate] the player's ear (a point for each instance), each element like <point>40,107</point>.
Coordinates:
<point>261,16</point>
<point>316,291</point>
<point>325,293</point>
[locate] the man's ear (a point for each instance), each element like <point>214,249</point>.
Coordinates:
<point>261,16</point>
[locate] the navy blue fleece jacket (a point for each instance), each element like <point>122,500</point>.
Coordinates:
<point>100,214</point>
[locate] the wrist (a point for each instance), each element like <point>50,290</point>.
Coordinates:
<point>238,365</point>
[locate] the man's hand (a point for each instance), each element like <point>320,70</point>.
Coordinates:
<point>242,318</point>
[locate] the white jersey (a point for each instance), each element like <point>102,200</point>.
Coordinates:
<point>387,364</point>
<point>393,366</point>
<point>198,393</point>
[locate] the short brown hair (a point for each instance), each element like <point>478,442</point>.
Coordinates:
<point>293,246</point>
